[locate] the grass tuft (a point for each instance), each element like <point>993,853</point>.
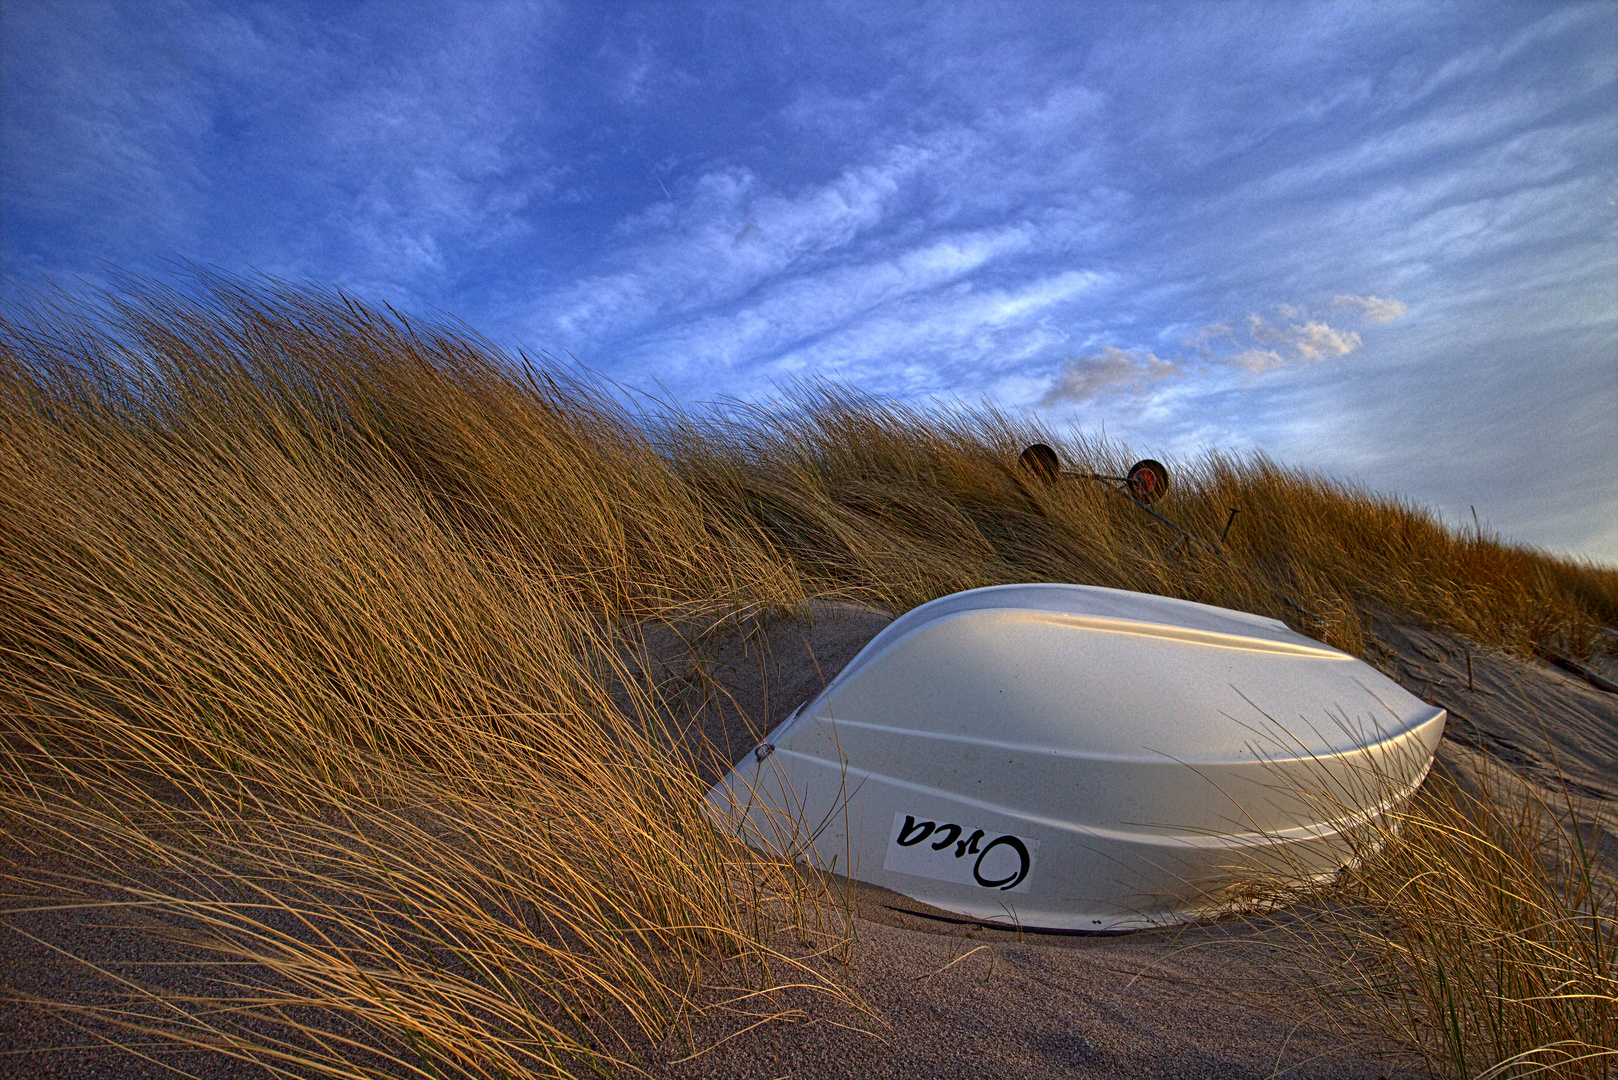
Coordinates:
<point>1477,933</point>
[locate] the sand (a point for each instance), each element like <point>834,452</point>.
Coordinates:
<point>951,998</point>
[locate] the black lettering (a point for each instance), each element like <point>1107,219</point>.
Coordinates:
<point>952,830</point>
<point>1011,881</point>
<point>913,834</point>
<point>968,845</point>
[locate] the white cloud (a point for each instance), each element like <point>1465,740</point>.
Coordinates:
<point>1210,333</point>
<point>1316,341</point>
<point>1257,361</point>
<point>1308,339</point>
<point>1258,348</point>
<point>1373,308</point>
<point>1112,370</point>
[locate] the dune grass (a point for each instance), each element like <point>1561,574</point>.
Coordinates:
<point>903,504</point>
<point>324,620</point>
<point>324,617</point>
<point>1477,930</point>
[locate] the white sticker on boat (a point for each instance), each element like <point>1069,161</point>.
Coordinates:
<point>959,853</point>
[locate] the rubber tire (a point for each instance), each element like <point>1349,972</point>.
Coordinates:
<point>1148,480</point>
<point>1042,461</point>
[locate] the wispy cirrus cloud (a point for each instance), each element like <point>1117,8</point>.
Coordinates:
<point>730,234</point>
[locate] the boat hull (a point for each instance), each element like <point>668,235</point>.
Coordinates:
<point>1074,758</point>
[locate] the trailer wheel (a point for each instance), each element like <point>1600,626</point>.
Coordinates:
<point>1042,461</point>
<point>1148,480</point>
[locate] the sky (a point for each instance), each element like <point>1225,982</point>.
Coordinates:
<point>1378,240</point>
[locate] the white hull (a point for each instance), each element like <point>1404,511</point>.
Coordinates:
<point>1076,758</point>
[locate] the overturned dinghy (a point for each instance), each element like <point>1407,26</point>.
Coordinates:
<point>1077,758</point>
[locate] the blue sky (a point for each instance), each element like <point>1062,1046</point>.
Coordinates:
<point>1375,239</point>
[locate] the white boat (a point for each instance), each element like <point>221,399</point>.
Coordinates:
<point>1075,758</point>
